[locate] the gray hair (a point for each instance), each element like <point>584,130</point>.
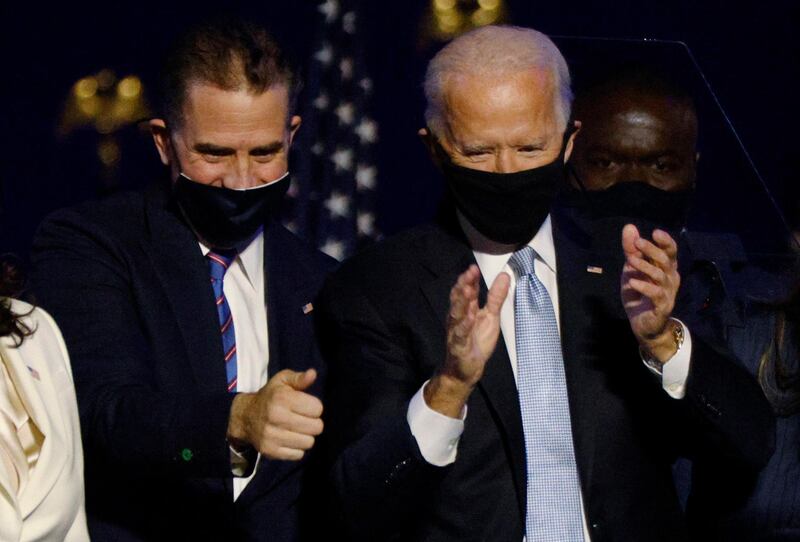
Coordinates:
<point>493,51</point>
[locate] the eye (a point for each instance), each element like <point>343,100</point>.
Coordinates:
<point>474,153</point>
<point>264,158</point>
<point>603,163</point>
<point>663,166</point>
<point>213,158</point>
<point>529,149</point>
<point>266,154</point>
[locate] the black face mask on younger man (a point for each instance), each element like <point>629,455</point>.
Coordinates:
<point>223,217</point>
<point>507,208</point>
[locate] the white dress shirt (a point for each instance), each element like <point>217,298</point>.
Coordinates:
<point>245,288</point>
<point>437,435</point>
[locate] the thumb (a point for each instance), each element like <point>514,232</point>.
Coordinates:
<point>498,293</point>
<point>629,236</point>
<point>298,380</point>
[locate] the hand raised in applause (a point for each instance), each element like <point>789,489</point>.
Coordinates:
<point>281,420</point>
<point>472,335</point>
<point>649,285</point>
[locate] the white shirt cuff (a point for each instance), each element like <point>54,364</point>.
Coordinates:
<point>239,462</point>
<point>675,371</point>
<point>437,435</point>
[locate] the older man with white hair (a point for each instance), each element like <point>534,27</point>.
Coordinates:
<point>564,430</point>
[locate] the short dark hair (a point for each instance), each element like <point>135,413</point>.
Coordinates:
<point>654,79</point>
<point>229,53</point>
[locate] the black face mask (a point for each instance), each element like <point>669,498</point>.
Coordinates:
<point>636,200</point>
<point>224,218</point>
<point>507,208</point>
<point>601,214</point>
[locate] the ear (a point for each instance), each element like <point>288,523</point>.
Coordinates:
<point>158,129</point>
<point>693,171</point>
<point>294,125</point>
<point>431,144</point>
<point>571,140</point>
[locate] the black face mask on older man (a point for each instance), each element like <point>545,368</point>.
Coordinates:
<point>507,208</point>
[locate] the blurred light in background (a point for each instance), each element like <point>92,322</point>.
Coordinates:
<point>445,19</point>
<point>103,104</point>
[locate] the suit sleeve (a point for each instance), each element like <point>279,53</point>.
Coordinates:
<point>730,420</point>
<point>128,419</point>
<point>376,466</point>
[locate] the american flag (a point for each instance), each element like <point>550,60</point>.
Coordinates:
<point>334,176</point>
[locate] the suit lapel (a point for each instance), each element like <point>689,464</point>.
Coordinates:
<point>290,294</point>
<point>446,256</point>
<point>580,308</point>
<point>183,271</point>
<point>289,297</point>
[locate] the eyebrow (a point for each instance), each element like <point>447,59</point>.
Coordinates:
<point>475,148</point>
<point>264,150</point>
<point>217,150</point>
<point>210,148</point>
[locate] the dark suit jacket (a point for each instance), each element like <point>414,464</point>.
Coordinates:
<point>128,284</point>
<point>385,313</point>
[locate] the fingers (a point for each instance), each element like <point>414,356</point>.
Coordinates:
<point>464,305</point>
<point>278,437</point>
<point>461,328</point>
<point>652,291</point>
<point>653,253</point>
<point>463,292</point>
<point>666,243</point>
<point>283,454</point>
<point>289,425</point>
<point>305,404</point>
<point>654,273</point>
<point>285,445</point>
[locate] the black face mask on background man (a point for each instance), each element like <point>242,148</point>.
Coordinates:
<point>507,208</point>
<point>601,214</point>
<point>637,200</point>
<point>223,217</point>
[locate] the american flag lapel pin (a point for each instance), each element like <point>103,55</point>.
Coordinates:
<point>34,373</point>
<point>308,307</point>
<point>596,269</point>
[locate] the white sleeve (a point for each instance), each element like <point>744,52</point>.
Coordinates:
<point>437,435</point>
<point>675,371</point>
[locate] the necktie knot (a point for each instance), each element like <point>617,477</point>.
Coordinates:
<point>219,262</point>
<point>521,261</point>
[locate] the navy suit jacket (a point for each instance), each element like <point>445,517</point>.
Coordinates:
<point>384,319</point>
<point>129,286</point>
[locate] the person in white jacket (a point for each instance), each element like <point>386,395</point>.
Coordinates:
<point>41,458</point>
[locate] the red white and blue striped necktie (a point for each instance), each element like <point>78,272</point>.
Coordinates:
<point>219,262</point>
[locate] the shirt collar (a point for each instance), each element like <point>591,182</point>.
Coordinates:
<point>492,256</point>
<point>251,258</point>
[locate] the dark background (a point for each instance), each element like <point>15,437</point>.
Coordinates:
<point>748,54</point>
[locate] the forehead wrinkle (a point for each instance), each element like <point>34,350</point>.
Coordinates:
<point>515,109</point>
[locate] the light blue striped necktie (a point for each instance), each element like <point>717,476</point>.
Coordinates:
<point>554,505</point>
<point>218,264</point>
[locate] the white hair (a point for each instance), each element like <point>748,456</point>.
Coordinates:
<point>492,51</point>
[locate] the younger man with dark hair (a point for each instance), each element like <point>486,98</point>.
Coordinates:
<point>186,311</point>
